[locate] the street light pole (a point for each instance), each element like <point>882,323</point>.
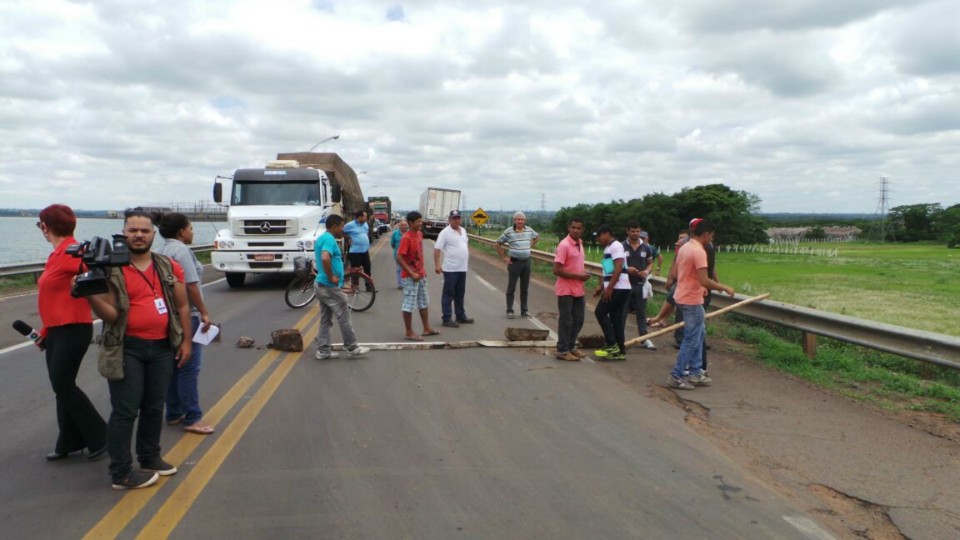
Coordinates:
<point>335,137</point>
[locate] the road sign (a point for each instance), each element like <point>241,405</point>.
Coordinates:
<point>479,217</point>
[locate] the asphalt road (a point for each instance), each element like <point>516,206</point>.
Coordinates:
<point>469,443</point>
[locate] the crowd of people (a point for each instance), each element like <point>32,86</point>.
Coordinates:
<point>154,306</point>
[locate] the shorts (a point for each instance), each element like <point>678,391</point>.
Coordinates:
<point>414,294</point>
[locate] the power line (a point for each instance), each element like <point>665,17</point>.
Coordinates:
<point>883,200</point>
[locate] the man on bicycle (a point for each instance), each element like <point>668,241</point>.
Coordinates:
<point>333,303</point>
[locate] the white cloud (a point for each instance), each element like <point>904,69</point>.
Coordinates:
<point>805,103</point>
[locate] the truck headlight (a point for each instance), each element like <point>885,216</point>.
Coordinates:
<point>225,244</point>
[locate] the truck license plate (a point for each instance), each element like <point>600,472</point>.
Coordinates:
<point>266,257</point>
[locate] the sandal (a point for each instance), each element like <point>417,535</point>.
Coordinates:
<point>413,338</point>
<point>433,332</point>
<point>199,429</point>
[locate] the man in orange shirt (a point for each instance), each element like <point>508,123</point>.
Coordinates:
<point>693,284</point>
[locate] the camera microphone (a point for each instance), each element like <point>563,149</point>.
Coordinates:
<point>25,329</point>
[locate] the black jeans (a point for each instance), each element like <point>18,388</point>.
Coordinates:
<point>518,269</point>
<point>639,304</point>
<point>571,311</point>
<point>147,368</point>
<point>454,289</point>
<point>360,259</point>
<point>81,426</point>
<point>611,314</point>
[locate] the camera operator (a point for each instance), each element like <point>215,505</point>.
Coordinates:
<point>65,337</point>
<point>144,316</point>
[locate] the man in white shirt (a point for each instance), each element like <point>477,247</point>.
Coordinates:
<point>452,243</point>
<point>614,290</point>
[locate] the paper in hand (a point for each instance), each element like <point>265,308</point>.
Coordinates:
<point>204,338</point>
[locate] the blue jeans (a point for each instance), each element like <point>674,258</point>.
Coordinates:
<point>147,367</point>
<point>691,348</point>
<point>183,394</point>
<point>454,289</point>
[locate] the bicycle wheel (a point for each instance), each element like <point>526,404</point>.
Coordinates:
<point>361,296</point>
<point>300,292</point>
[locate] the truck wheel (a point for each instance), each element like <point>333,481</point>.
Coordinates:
<point>235,279</point>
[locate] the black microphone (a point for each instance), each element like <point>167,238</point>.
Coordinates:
<point>25,329</point>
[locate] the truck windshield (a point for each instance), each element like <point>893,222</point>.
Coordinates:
<point>276,193</point>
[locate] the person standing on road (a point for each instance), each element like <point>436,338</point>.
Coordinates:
<point>452,243</point>
<point>333,302</point>
<point>64,338</point>
<point>693,284</point>
<point>614,290</point>
<point>519,240</point>
<point>144,314</point>
<point>398,233</point>
<point>357,233</point>
<point>639,265</point>
<point>410,259</point>
<point>568,266</point>
<point>669,305</point>
<point>183,395</point>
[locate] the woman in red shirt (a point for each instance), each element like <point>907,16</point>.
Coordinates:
<point>67,330</point>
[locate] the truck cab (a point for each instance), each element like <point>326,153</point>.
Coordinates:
<point>276,213</point>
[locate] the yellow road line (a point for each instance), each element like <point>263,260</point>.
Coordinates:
<point>176,506</point>
<point>127,508</point>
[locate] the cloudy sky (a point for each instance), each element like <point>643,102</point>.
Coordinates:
<point>805,103</point>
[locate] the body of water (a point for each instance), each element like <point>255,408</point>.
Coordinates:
<point>22,242</point>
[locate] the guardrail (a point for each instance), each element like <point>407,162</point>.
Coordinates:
<point>36,268</point>
<point>928,347</point>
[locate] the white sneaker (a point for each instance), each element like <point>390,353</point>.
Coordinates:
<point>647,344</point>
<point>327,355</point>
<point>358,352</point>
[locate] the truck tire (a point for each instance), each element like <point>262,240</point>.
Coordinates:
<point>235,279</point>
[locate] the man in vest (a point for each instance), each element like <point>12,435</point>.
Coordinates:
<point>144,314</point>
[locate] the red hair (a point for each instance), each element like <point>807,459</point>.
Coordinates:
<point>59,219</point>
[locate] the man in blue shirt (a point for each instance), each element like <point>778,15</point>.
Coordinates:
<point>402,228</point>
<point>333,303</point>
<point>358,236</point>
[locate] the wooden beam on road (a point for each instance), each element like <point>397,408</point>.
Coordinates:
<point>710,315</point>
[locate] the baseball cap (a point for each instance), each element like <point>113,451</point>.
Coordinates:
<point>694,222</point>
<point>644,234</point>
<point>454,213</point>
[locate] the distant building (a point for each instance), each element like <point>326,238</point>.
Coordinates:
<point>796,234</point>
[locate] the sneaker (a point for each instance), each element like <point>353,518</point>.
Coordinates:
<point>159,466</point>
<point>700,380</point>
<point>679,384</point>
<point>525,314</point>
<point>647,344</point>
<point>358,352</point>
<point>616,356</point>
<point>465,320</point>
<point>578,353</point>
<point>137,480</point>
<point>327,355</point>
<point>567,357</point>
<point>451,324</point>
<point>509,314</point>
<point>606,351</point>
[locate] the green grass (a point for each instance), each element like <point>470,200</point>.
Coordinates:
<point>13,284</point>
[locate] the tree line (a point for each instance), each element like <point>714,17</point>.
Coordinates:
<point>662,215</point>
<point>929,221</point>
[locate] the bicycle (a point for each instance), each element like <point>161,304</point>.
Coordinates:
<point>300,291</point>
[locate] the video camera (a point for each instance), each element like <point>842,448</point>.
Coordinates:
<point>98,254</point>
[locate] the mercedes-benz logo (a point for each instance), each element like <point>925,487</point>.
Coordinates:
<point>265,227</point>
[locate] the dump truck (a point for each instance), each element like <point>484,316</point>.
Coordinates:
<point>380,208</point>
<point>277,212</point>
<point>435,205</point>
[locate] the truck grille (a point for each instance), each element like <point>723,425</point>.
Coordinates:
<point>260,227</point>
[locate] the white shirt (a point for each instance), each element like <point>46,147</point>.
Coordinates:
<point>613,252</point>
<point>454,248</point>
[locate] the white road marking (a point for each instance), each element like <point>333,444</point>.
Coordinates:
<point>808,528</point>
<point>485,283</point>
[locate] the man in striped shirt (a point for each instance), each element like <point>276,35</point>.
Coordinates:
<point>519,240</point>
